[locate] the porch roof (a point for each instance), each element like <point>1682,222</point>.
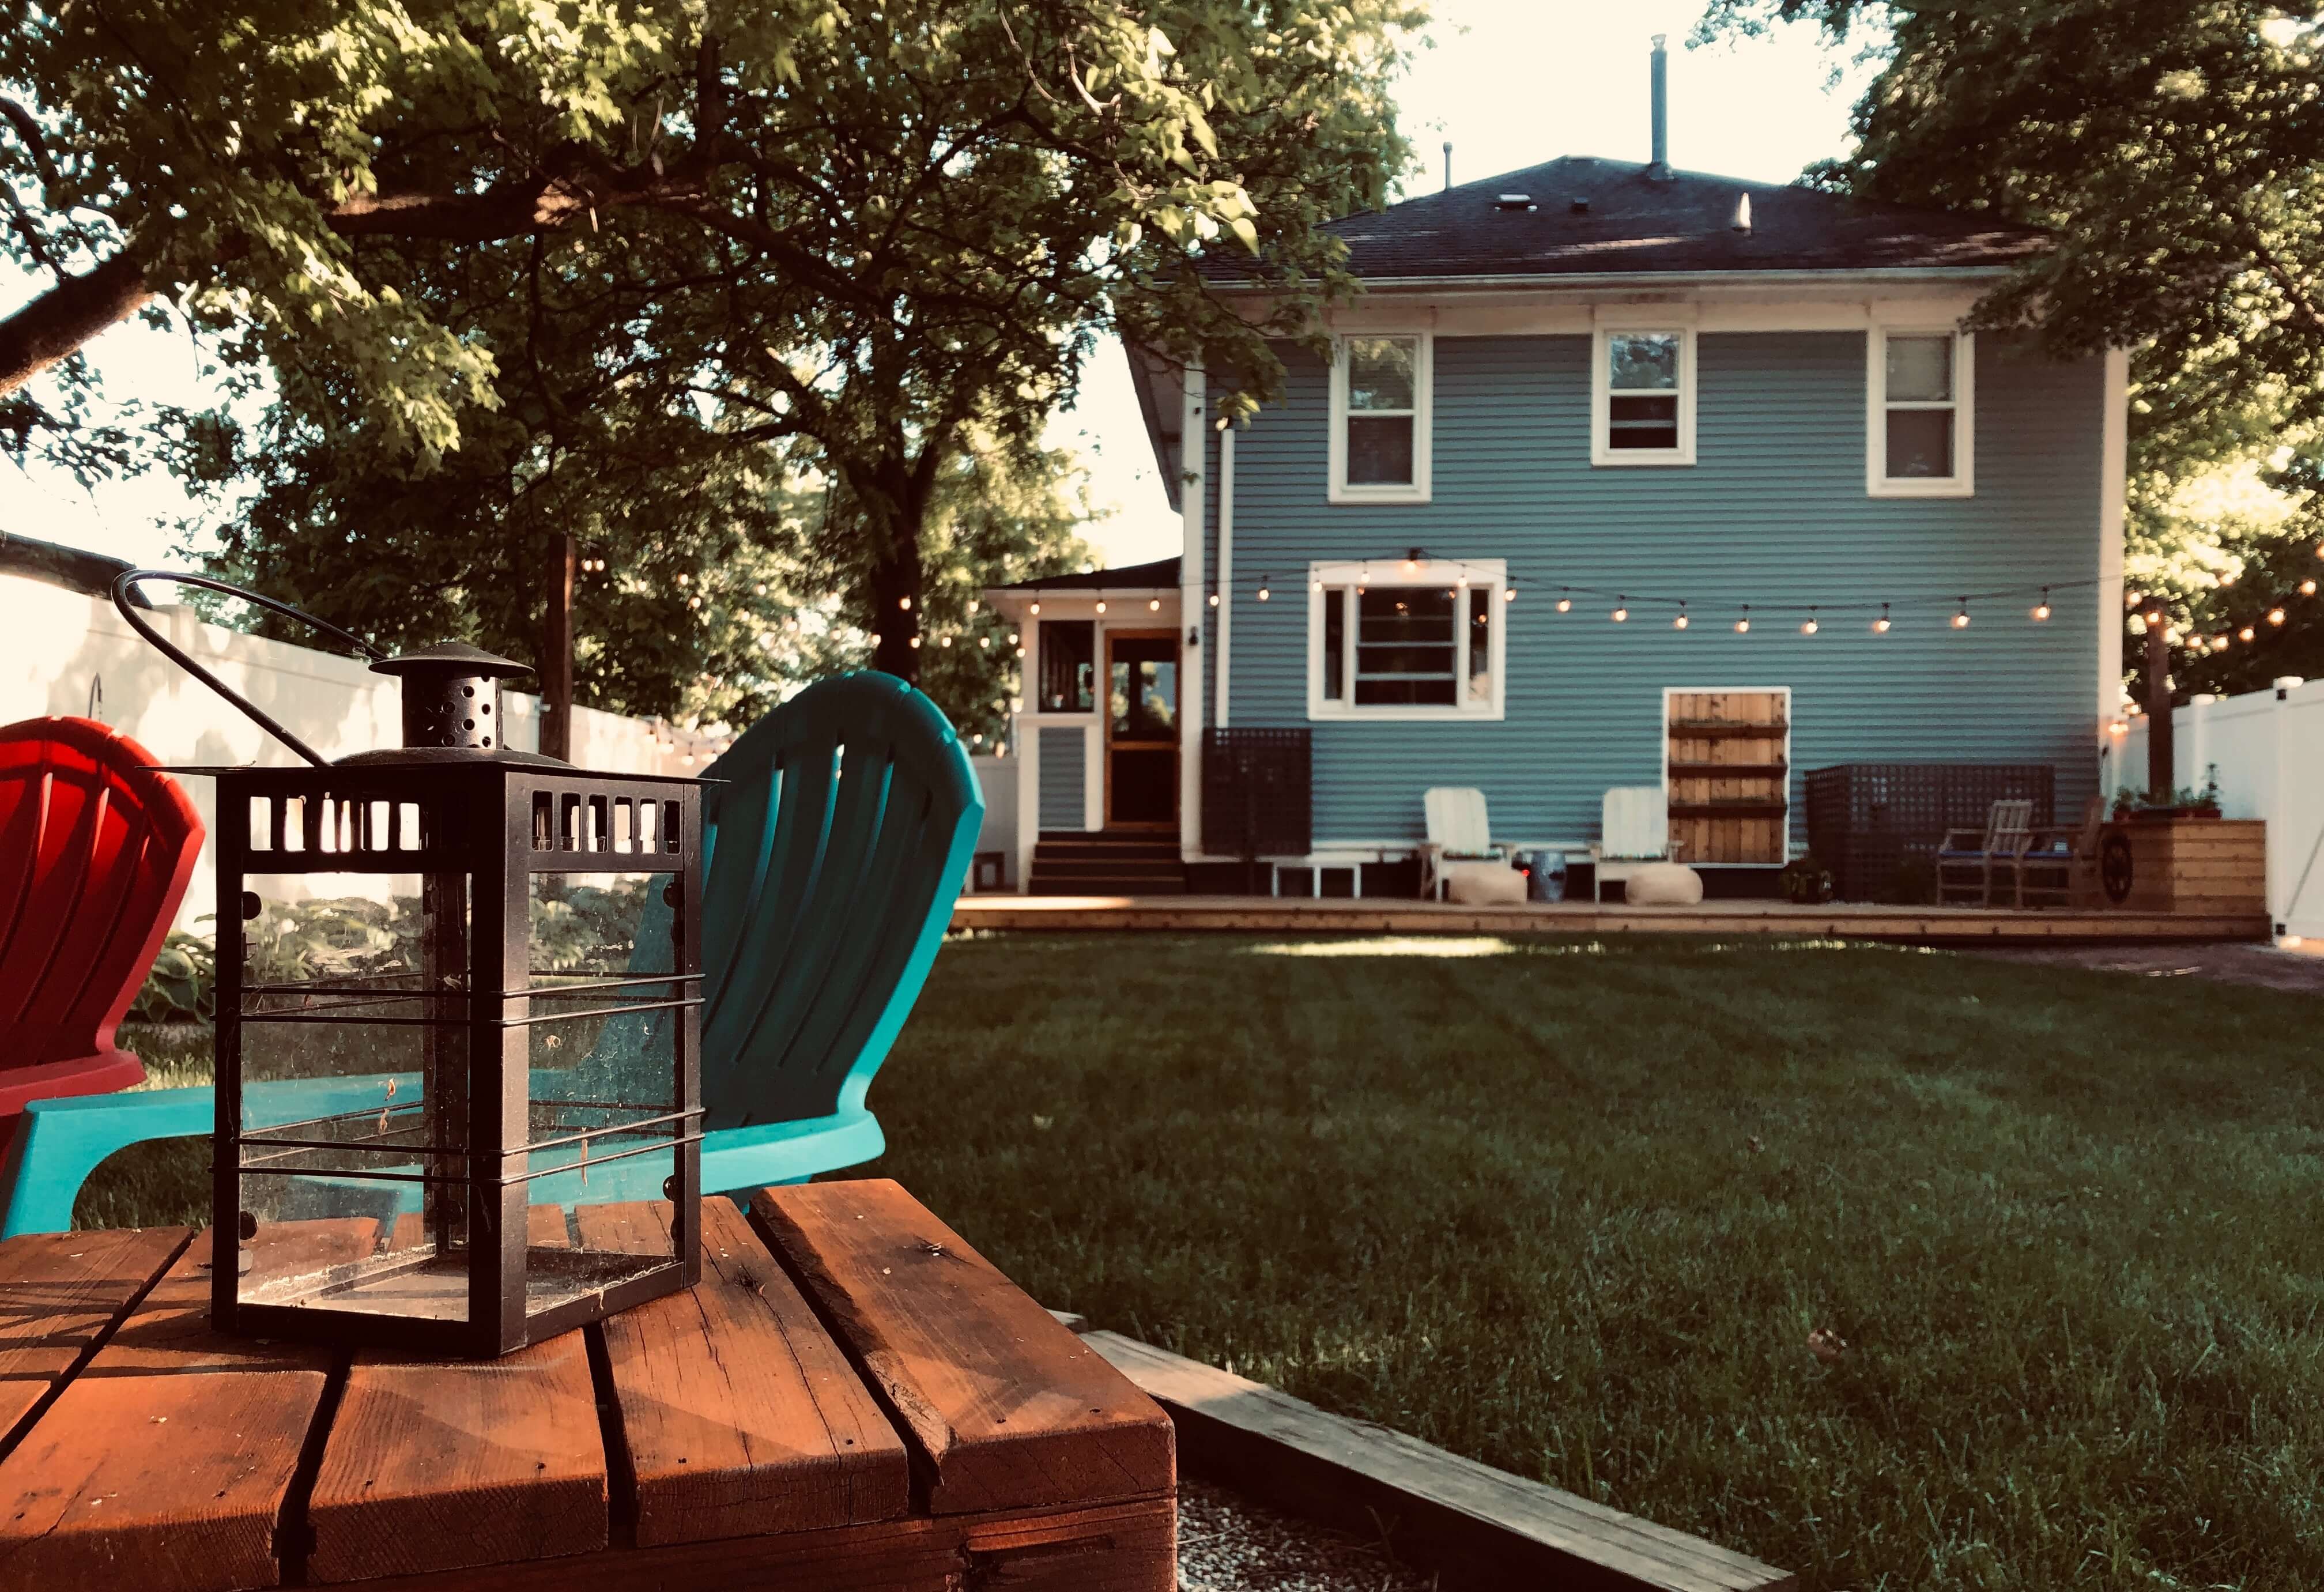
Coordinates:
<point>1160,578</point>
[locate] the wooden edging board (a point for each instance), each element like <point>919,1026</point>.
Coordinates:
<point>1474,1526</point>
<point>1907,926</point>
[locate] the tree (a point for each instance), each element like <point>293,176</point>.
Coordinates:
<point>2175,148</point>
<point>882,230</point>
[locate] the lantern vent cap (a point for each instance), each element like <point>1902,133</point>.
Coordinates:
<point>451,659</point>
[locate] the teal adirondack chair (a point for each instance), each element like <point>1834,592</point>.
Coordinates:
<point>833,853</point>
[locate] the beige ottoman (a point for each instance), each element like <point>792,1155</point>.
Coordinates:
<point>1665,884</point>
<point>1484,884</point>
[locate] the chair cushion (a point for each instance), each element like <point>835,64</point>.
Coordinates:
<point>1665,884</point>
<point>1484,884</point>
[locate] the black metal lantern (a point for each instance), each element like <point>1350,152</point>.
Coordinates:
<point>458,1027</point>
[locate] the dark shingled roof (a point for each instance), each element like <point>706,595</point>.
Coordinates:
<point>1160,575</point>
<point>1634,225</point>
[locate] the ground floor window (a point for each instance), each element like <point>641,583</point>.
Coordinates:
<point>1068,666</point>
<point>1407,638</point>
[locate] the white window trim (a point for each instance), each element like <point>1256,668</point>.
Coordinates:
<point>1962,482</point>
<point>1423,398</point>
<point>1490,573</point>
<point>1601,394</point>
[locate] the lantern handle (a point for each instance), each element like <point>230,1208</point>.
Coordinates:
<point>123,587</point>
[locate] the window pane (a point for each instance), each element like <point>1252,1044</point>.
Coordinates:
<point>1919,444</point>
<point>1481,644</point>
<point>1409,650</point>
<point>1402,692</point>
<point>1642,422</point>
<point>1142,692</point>
<point>1920,370</point>
<point>1379,452</point>
<point>1068,666</point>
<point>1335,644</point>
<point>1380,372</point>
<point>1646,360</point>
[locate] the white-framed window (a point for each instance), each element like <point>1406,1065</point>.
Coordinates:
<point>1407,638</point>
<point>1642,391</point>
<point>1921,429</point>
<point>1382,400</point>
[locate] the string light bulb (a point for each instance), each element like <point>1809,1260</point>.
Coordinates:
<point>1101,605</point>
<point>1621,610</point>
<point>1811,627</point>
<point>915,643</point>
<point>1880,626</point>
<point>2307,588</point>
<point>2244,634</point>
<point>1679,622</point>
<point>1264,582</point>
<point>944,641</point>
<point>2275,616</point>
<point>1037,608</point>
<point>1510,593</point>
<point>1412,561</point>
<point>2042,609</point>
<point>1960,619</point>
<point>1214,599</point>
<point>905,603</point>
<point>985,642</point>
<point>1743,621</point>
<point>1566,602</point>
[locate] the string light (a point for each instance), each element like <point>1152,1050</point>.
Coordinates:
<point>1214,599</point>
<point>915,643</point>
<point>1101,605</point>
<point>1621,610</point>
<point>1412,561</point>
<point>2275,616</point>
<point>2244,634</point>
<point>943,641</point>
<point>1037,608</point>
<point>1566,602</point>
<point>1510,593</point>
<point>1679,622</point>
<point>2042,609</point>
<point>903,602</point>
<point>1264,582</point>
<point>2307,588</point>
<point>985,642</point>
<point>1153,605</point>
<point>1960,619</point>
<point>1880,626</point>
<point>1811,627</point>
<point>1743,623</point>
<point>972,605</point>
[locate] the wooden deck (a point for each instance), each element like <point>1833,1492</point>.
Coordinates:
<point>1911,925</point>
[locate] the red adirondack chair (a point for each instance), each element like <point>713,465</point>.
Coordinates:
<point>96,847</point>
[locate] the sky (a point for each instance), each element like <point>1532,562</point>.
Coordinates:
<point>1508,83</point>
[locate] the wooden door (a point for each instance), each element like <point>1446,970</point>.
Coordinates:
<point>1728,776</point>
<point>1141,729</point>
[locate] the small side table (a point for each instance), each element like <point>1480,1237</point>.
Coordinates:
<point>852,1397</point>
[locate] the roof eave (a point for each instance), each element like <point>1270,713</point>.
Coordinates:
<point>1632,280</point>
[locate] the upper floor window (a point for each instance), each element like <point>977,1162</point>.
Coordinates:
<point>1643,385</point>
<point>1919,432</point>
<point>1381,401</point>
<point>1405,640</point>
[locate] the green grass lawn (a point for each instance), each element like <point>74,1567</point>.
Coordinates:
<point>1573,1207</point>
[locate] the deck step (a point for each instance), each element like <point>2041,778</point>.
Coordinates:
<point>1107,863</point>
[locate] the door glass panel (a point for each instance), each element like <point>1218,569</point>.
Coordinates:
<point>1144,696</point>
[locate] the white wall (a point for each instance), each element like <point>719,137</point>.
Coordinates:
<point>55,645</point>
<point>996,779</point>
<point>2268,749</point>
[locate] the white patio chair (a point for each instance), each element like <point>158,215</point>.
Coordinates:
<point>1634,830</point>
<point>1458,831</point>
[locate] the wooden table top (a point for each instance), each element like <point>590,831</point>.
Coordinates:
<point>853,1398</point>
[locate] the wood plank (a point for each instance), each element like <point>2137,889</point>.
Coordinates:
<point>1006,1408</point>
<point>1446,1512</point>
<point>433,1466</point>
<point>1125,1547</point>
<point>739,1414</point>
<point>165,1463</point>
<point>60,1294</point>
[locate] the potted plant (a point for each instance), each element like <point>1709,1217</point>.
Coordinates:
<point>1806,882</point>
<point>2186,802</point>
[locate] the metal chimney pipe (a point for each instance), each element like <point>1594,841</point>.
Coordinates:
<point>1448,164</point>
<point>1660,169</point>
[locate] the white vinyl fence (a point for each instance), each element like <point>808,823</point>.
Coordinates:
<point>2266,749</point>
<point>64,653</point>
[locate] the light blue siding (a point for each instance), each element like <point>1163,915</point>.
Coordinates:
<point>1773,512</point>
<point>1062,776</point>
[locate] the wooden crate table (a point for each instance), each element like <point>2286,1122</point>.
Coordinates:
<point>851,1399</point>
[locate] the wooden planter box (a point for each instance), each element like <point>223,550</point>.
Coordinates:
<point>2186,864</point>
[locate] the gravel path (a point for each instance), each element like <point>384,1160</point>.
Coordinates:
<point>2262,965</point>
<point>1226,1543</point>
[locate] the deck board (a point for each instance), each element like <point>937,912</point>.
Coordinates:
<point>60,1294</point>
<point>739,1414</point>
<point>1006,1408</point>
<point>1915,926</point>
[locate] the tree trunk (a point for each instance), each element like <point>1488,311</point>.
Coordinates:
<point>52,326</point>
<point>896,598</point>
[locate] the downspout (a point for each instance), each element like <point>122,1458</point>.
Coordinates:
<point>1226,571</point>
<point>1024,726</point>
<point>1193,446</point>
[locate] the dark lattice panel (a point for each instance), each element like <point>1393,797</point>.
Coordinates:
<point>1257,785</point>
<point>1863,819</point>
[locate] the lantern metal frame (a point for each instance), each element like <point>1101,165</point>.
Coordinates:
<point>460,811</point>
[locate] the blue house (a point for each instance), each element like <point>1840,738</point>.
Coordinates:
<point>1616,475</point>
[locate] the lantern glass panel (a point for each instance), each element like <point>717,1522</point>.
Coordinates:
<point>605,1116</point>
<point>354,1056</point>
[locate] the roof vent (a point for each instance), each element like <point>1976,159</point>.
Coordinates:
<point>1578,205</point>
<point>1514,201</point>
<point>1743,212</point>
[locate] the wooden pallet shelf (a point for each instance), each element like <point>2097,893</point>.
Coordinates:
<point>1739,807</point>
<point>1725,729</point>
<point>1730,770</point>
